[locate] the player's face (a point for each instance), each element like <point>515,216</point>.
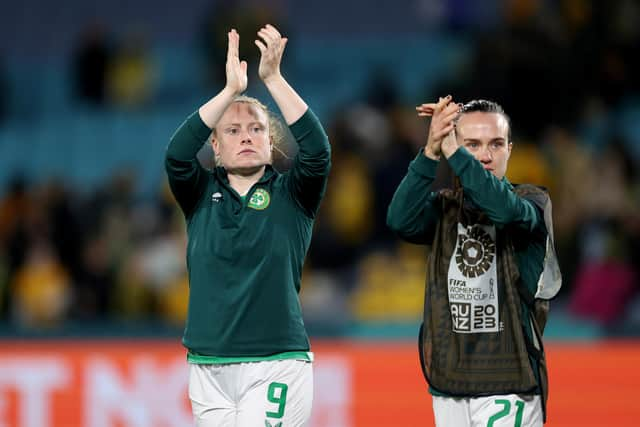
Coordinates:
<point>241,139</point>
<point>486,136</point>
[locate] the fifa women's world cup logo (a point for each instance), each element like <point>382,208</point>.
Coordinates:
<point>475,252</point>
<point>472,281</point>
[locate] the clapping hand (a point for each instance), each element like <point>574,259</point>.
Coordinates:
<point>441,139</point>
<point>271,45</point>
<point>236,70</point>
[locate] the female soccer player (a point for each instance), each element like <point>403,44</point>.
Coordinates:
<point>249,229</point>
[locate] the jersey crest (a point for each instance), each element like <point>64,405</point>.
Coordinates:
<point>260,199</point>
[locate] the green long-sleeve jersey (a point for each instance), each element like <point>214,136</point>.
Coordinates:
<point>413,215</point>
<point>245,255</point>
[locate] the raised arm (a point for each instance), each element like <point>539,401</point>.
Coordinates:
<point>271,45</point>
<point>236,72</point>
<point>495,196</point>
<point>187,178</point>
<point>412,214</point>
<point>307,179</point>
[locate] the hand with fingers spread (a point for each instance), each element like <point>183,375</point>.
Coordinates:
<point>236,70</point>
<point>442,124</point>
<point>271,45</point>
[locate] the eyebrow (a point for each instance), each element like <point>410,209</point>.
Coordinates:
<point>239,124</point>
<point>479,140</point>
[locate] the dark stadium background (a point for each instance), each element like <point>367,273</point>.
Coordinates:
<point>92,280</point>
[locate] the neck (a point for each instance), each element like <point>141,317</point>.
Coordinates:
<point>241,180</point>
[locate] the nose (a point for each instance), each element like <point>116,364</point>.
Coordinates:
<point>485,156</point>
<point>245,137</point>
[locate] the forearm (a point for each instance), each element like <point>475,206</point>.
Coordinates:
<point>213,110</point>
<point>308,176</point>
<point>291,105</point>
<point>493,196</point>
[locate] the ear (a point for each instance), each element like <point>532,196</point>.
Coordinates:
<point>215,145</point>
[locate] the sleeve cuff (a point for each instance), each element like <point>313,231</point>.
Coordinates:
<point>198,128</point>
<point>460,160</point>
<point>424,166</point>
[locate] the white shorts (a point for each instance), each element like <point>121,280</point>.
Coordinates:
<point>509,410</point>
<point>270,393</point>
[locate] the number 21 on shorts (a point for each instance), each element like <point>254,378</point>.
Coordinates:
<point>506,409</point>
<point>276,394</point>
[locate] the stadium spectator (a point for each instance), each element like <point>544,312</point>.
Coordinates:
<point>90,63</point>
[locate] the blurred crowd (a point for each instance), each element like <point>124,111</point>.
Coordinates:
<point>564,71</point>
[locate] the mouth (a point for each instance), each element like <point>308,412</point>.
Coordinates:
<point>246,151</point>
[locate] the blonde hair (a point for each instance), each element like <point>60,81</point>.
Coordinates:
<point>276,131</point>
